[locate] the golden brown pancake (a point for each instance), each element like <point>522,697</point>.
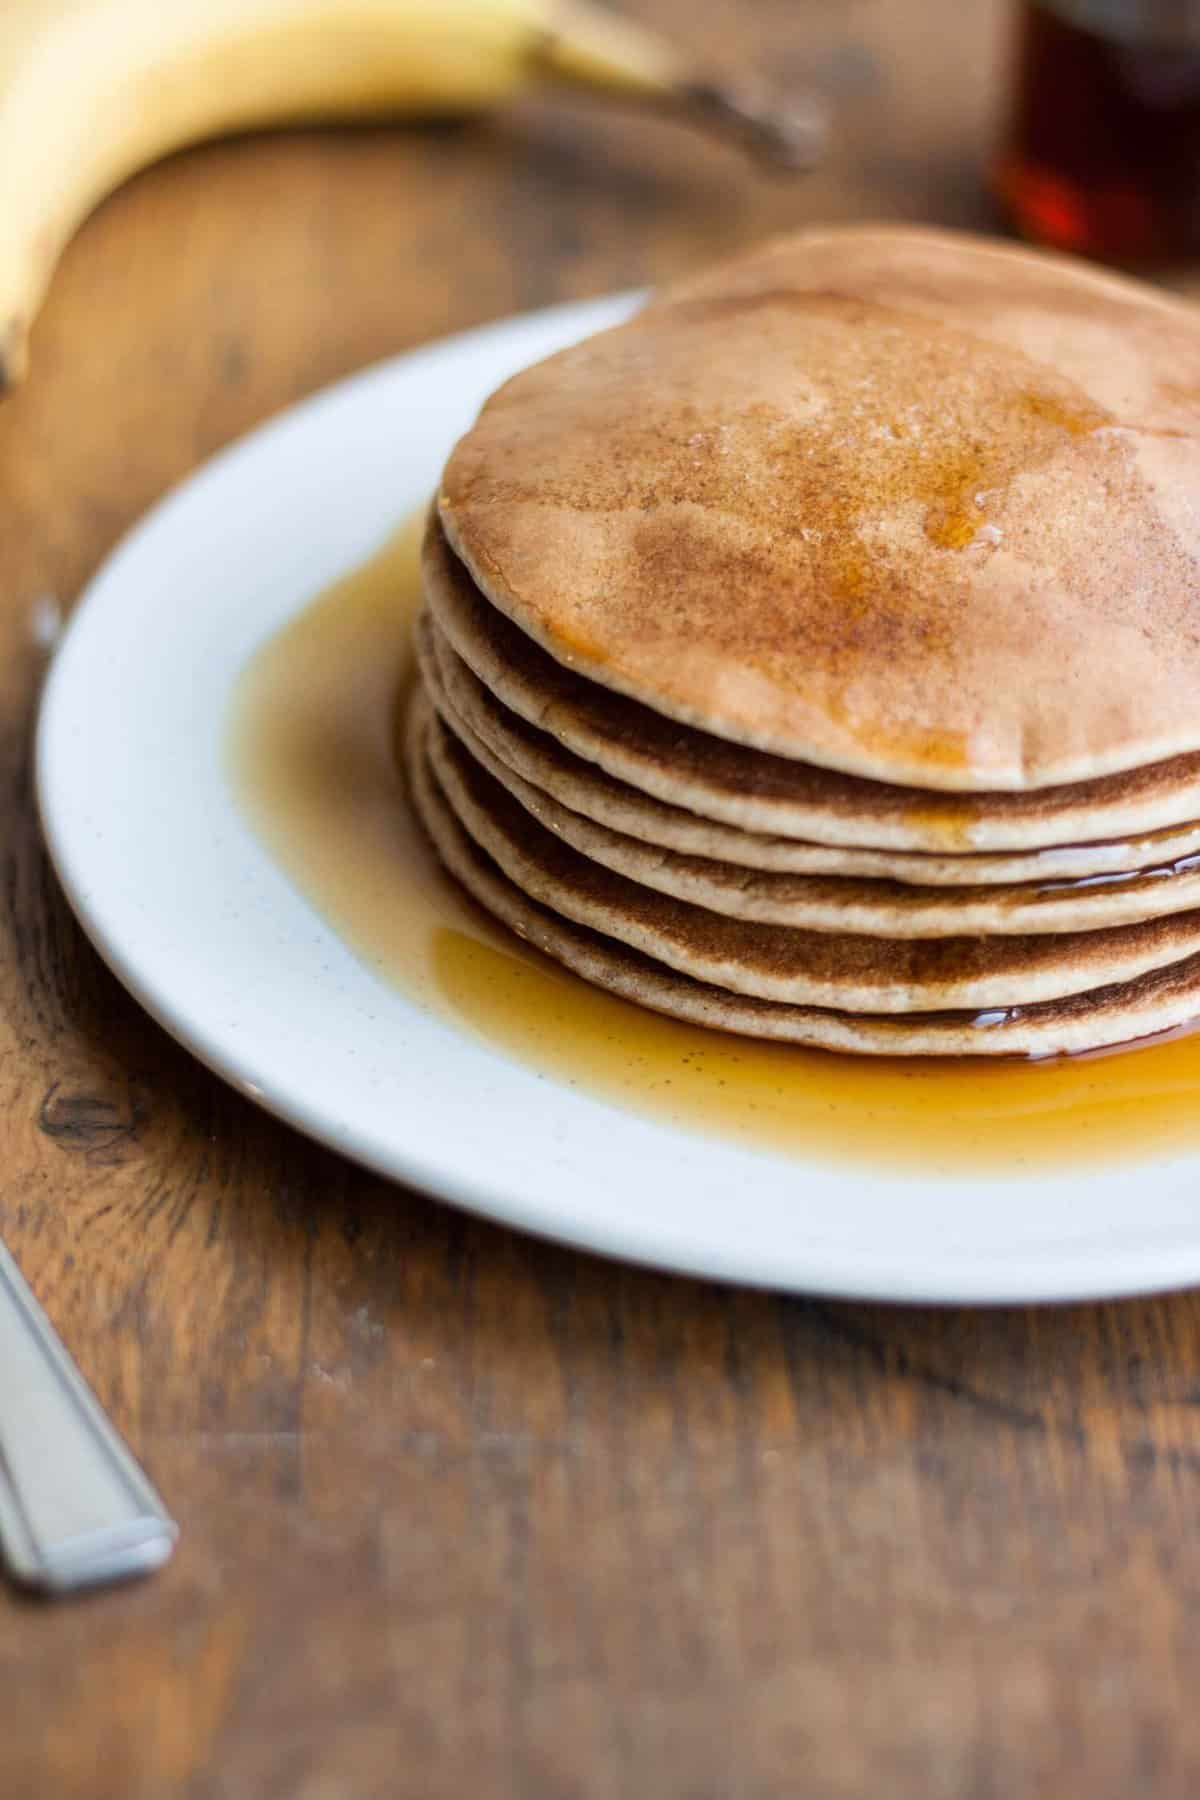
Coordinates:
<point>846,971</point>
<point>543,764</point>
<point>1162,1001</point>
<point>905,504</point>
<point>838,903</point>
<point>754,791</point>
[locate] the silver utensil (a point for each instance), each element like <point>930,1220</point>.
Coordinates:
<point>75,1508</point>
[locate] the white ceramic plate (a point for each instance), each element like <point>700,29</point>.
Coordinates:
<point>199,923</point>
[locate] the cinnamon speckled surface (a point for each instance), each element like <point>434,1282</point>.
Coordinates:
<point>910,505</point>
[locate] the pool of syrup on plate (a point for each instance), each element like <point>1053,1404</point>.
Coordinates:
<point>312,755</point>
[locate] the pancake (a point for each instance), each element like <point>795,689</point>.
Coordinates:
<point>841,970</point>
<point>752,791</point>
<point>905,504</point>
<point>542,764</point>
<point>1164,1001</point>
<point>846,904</point>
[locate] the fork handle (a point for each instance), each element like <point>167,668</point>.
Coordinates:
<point>75,1508</point>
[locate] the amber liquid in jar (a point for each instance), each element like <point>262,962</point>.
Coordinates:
<point>1103,149</point>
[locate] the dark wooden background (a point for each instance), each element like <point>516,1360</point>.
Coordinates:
<point>465,1514</point>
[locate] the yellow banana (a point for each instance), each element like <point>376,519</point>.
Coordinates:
<point>93,90</point>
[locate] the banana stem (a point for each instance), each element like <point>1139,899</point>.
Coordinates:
<point>790,138</point>
<point>608,52</point>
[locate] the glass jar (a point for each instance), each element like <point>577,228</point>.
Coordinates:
<point>1102,154</point>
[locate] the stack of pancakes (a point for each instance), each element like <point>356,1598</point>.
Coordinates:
<point>817,655</point>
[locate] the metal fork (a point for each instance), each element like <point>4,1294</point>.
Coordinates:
<point>75,1508</point>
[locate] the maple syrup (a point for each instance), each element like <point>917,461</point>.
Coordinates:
<point>312,756</point>
<point>1103,153</point>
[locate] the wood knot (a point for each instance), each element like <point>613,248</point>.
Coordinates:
<point>90,1123</point>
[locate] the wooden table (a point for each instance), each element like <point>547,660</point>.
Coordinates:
<point>465,1514</point>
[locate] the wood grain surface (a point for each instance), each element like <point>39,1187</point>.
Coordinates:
<point>465,1514</point>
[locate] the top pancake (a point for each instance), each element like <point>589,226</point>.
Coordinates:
<point>905,504</point>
